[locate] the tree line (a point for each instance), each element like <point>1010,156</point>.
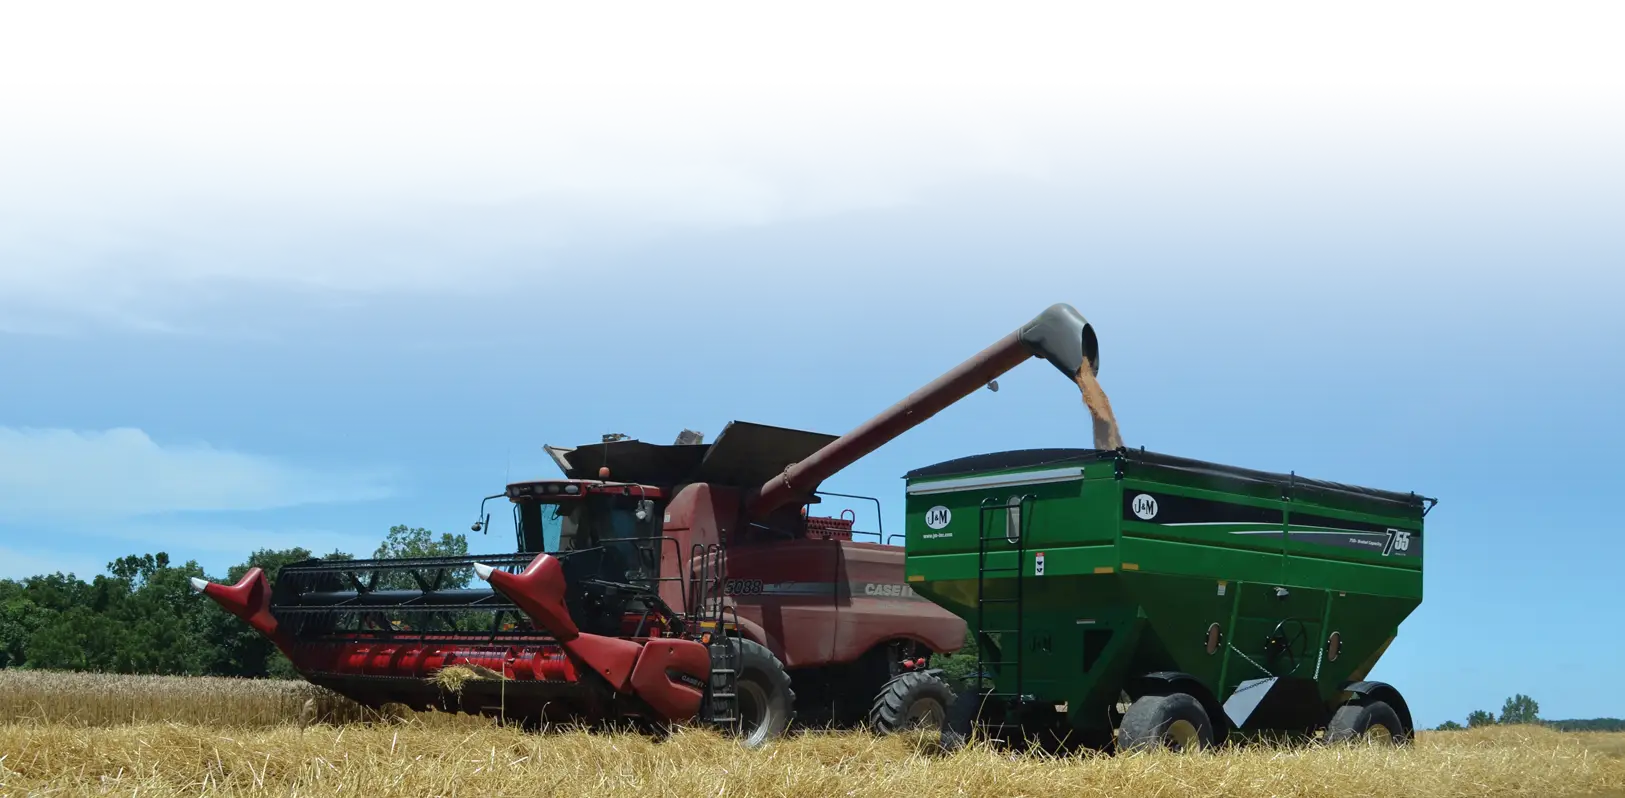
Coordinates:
<point>1521,709</point>
<point>141,616</point>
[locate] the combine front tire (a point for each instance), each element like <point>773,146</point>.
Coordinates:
<point>911,700</point>
<point>1370,720</point>
<point>765,697</point>
<point>1176,721</point>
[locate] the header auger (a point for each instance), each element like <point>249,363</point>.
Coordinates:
<point>661,584</point>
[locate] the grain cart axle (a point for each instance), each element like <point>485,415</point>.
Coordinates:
<point>659,584</point>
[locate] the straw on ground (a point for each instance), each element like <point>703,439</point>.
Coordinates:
<point>42,755</point>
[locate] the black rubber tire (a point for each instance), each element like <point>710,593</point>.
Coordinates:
<point>1176,721</point>
<point>911,700</point>
<point>1368,719</point>
<point>762,681</point>
<point>958,723</point>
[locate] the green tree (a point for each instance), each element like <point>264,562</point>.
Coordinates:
<point>1480,717</point>
<point>142,616</point>
<point>20,617</point>
<point>1520,709</point>
<point>137,618</point>
<point>271,561</point>
<point>78,639</point>
<point>404,542</point>
<point>1450,725</point>
<point>172,630</point>
<point>961,664</point>
<point>76,629</point>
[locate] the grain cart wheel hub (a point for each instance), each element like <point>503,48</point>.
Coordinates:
<point>1182,735</point>
<point>1176,721</point>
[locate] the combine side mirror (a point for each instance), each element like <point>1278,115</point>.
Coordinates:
<point>483,520</point>
<point>646,510</point>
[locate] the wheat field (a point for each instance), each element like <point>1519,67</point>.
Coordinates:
<point>60,736</point>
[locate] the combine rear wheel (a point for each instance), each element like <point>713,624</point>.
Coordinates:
<point>1176,721</point>
<point>911,700</point>
<point>765,697</point>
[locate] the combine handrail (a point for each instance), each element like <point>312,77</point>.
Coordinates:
<point>880,520</point>
<point>659,551</point>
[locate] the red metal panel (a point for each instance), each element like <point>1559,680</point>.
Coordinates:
<point>673,699</point>
<point>250,600</point>
<point>610,657</point>
<point>539,592</point>
<point>788,589</point>
<point>880,607</point>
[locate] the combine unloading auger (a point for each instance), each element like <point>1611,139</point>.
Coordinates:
<point>1059,335</point>
<point>646,583</point>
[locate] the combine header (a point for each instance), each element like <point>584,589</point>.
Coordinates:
<point>658,584</point>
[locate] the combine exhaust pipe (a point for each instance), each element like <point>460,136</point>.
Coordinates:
<point>1060,335</point>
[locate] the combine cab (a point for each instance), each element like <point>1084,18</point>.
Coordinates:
<point>656,584</point>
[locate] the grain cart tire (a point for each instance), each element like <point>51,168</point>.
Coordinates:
<point>1176,721</point>
<point>765,698</point>
<point>1370,720</point>
<point>911,700</point>
<point>959,721</point>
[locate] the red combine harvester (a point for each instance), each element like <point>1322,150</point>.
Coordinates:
<point>684,583</point>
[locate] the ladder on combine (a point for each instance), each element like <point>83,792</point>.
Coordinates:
<point>710,609</point>
<point>1006,665</point>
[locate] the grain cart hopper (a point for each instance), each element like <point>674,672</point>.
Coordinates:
<point>1174,599</point>
<point>655,583</point>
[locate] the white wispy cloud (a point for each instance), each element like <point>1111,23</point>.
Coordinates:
<point>123,473</point>
<point>20,564</point>
<point>216,547</point>
<point>373,197</point>
<point>231,542</point>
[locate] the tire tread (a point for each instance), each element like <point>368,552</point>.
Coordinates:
<point>886,716</point>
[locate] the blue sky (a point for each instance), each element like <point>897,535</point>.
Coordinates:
<point>253,301</point>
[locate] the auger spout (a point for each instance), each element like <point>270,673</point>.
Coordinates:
<point>1059,335</point>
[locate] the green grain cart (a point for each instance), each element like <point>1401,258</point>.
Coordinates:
<point>1138,599</point>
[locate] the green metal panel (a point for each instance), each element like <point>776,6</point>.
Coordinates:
<point>1141,554</point>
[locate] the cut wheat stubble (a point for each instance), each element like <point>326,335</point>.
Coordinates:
<point>162,736</point>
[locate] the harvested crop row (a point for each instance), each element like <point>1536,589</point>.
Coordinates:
<point>412,759</point>
<point>155,736</point>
